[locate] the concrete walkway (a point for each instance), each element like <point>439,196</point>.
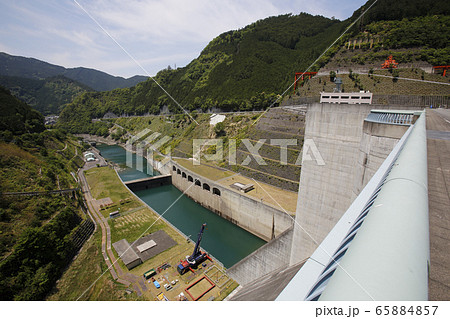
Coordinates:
<point>438,140</point>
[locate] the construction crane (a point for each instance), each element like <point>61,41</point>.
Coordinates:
<point>196,258</point>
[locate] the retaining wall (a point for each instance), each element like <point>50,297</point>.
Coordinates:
<point>253,215</point>
<point>270,257</point>
<point>147,183</point>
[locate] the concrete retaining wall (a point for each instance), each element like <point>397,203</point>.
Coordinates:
<point>268,258</point>
<point>254,216</point>
<point>147,183</point>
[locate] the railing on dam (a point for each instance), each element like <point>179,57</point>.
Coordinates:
<point>379,249</point>
<point>392,117</point>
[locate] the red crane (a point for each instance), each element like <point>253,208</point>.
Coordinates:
<point>196,258</point>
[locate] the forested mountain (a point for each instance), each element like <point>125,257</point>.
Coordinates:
<point>47,95</point>
<point>35,69</point>
<point>388,10</point>
<point>246,69</point>
<point>238,70</point>
<point>17,117</point>
<point>36,232</point>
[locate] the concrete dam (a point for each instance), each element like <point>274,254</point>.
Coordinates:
<point>355,142</point>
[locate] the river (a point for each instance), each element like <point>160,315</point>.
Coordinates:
<point>222,239</point>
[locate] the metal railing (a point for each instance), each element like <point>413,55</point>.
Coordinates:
<point>391,118</point>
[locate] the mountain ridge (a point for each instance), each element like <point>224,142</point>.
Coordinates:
<point>28,67</point>
<point>48,95</point>
<point>246,69</point>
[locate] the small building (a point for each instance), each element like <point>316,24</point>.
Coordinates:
<point>149,274</point>
<point>127,254</point>
<point>109,115</point>
<point>242,188</point>
<point>216,118</point>
<point>145,246</point>
<point>362,97</point>
<point>114,214</point>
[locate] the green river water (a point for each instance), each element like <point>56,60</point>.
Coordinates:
<point>222,239</point>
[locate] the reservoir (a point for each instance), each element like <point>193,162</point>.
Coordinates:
<point>222,239</point>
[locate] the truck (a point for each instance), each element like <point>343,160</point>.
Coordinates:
<point>149,274</point>
<point>156,283</point>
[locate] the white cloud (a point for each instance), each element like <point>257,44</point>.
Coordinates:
<point>172,20</point>
<point>155,32</point>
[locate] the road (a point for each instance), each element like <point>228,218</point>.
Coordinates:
<point>115,270</point>
<point>438,144</point>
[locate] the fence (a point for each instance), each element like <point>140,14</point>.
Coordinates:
<point>416,100</point>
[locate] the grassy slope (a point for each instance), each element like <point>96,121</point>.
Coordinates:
<point>379,85</point>
<point>87,277</point>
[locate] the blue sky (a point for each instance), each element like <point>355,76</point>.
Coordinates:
<point>157,33</point>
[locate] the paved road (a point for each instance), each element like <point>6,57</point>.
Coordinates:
<point>438,131</point>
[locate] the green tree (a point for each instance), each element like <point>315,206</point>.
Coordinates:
<point>332,76</point>
<point>219,129</point>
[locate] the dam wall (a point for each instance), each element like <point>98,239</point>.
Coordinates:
<point>268,258</point>
<point>377,142</point>
<point>150,182</point>
<point>352,150</point>
<point>256,217</point>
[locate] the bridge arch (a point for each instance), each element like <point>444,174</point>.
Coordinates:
<point>198,183</point>
<point>183,175</point>
<point>206,187</point>
<point>216,191</point>
<point>190,179</point>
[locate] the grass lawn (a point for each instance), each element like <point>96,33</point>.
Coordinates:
<point>103,183</point>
